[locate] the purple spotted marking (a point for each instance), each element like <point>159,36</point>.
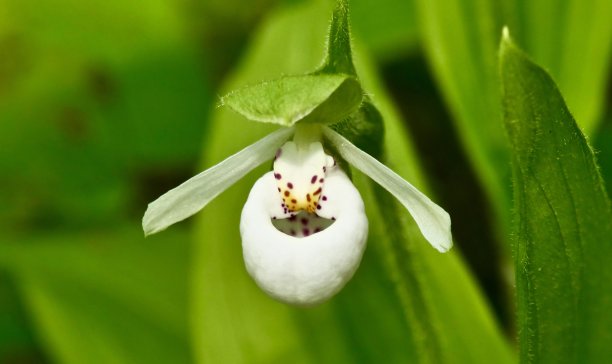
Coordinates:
<point>306,232</point>
<point>277,175</point>
<point>313,179</point>
<point>304,221</point>
<point>317,230</point>
<point>324,169</point>
<point>324,198</point>
<point>290,185</point>
<point>318,207</point>
<point>287,193</point>
<point>292,218</point>
<point>333,218</point>
<point>321,180</point>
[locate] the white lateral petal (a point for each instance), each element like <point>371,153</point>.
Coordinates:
<point>433,221</point>
<point>191,196</point>
<point>310,269</point>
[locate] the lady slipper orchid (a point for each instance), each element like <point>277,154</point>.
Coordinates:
<point>303,226</point>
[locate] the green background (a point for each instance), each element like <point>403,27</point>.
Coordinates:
<point>105,105</point>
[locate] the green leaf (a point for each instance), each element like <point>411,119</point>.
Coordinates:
<point>460,38</point>
<point>104,298</point>
<point>571,40</point>
<point>417,306</point>
<point>321,98</point>
<point>563,219</point>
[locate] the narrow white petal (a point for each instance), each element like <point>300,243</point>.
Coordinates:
<point>191,196</point>
<point>433,221</point>
<point>308,269</point>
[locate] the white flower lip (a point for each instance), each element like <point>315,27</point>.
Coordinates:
<point>307,270</point>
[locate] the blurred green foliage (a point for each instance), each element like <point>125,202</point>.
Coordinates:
<point>104,105</point>
<point>105,297</point>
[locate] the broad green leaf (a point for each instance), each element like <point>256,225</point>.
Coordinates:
<point>104,298</point>
<point>571,40</point>
<point>321,98</point>
<point>386,313</point>
<point>563,242</point>
<point>460,38</point>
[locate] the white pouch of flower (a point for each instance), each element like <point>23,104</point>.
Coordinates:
<point>303,227</point>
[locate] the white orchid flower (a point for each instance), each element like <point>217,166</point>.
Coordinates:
<point>303,226</point>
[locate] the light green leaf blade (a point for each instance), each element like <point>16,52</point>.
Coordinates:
<point>571,40</point>
<point>460,38</point>
<point>321,98</point>
<point>104,298</point>
<point>563,220</point>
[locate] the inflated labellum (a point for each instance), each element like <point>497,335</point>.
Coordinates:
<point>303,227</point>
